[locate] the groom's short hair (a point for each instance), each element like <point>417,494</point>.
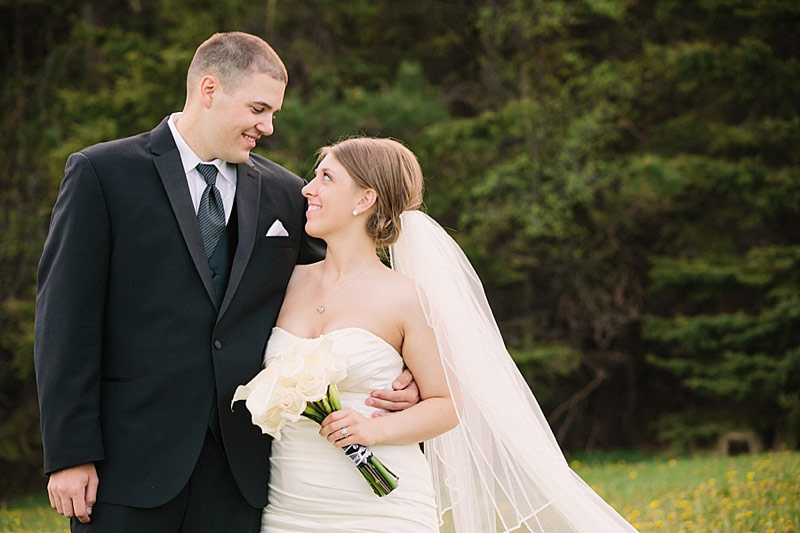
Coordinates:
<point>233,55</point>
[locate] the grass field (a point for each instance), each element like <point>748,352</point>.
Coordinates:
<point>748,493</point>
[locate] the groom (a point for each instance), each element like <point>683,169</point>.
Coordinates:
<point>161,278</point>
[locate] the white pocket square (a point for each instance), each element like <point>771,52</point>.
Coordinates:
<point>277,230</point>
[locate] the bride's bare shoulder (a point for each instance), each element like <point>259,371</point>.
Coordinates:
<point>402,292</point>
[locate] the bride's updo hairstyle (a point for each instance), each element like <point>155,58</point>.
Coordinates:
<point>391,170</point>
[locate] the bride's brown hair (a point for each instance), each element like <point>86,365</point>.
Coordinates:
<point>391,170</point>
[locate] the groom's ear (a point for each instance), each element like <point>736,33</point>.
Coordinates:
<point>209,87</point>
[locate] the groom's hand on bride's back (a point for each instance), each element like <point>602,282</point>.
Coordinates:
<point>403,394</point>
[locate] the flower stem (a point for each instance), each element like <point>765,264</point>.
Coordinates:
<point>333,396</point>
<point>317,406</point>
<point>327,405</point>
<point>385,474</point>
<point>312,415</point>
<point>310,409</point>
<point>373,483</point>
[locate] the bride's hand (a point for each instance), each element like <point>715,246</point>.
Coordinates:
<point>360,430</point>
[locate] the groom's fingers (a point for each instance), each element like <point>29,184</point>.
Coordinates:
<point>79,505</point>
<point>403,380</point>
<point>66,506</point>
<point>52,498</point>
<point>91,491</point>
<point>403,394</point>
<point>394,400</point>
<point>59,493</point>
<point>55,503</point>
<point>84,500</point>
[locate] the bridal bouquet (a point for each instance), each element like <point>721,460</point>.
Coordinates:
<point>301,382</point>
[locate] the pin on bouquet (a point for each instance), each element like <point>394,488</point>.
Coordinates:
<point>301,381</point>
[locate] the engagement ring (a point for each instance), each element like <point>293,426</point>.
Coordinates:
<point>345,433</point>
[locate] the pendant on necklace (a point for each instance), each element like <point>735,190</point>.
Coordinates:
<point>320,308</point>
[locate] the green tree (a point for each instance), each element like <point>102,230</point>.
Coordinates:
<point>734,342</point>
<point>627,134</point>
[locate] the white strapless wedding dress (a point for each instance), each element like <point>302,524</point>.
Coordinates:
<point>315,487</point>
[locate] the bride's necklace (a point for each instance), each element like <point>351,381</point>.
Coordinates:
<point>321,307</point>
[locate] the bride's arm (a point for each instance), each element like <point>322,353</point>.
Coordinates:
<point>432,416</point>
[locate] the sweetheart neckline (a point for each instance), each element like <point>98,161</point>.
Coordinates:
<point>373,335</point>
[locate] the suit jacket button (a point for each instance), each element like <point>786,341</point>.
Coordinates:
<point>218,344</point>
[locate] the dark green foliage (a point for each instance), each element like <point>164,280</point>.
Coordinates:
<point>625,177</point>
<point>739,349</point>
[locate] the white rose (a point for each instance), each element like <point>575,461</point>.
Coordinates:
<point>292,404</point>
<point>335,367</point>
<point>313,385</point>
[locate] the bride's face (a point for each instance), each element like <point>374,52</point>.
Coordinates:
<point>332,196</point>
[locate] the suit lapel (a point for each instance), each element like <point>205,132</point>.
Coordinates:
<point>248,195</point>
<point>170,169</point>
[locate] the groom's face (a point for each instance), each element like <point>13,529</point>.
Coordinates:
<point>239,116</point>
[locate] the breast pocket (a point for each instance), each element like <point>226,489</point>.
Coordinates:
<point>275,253</point>
<point>276,242</point>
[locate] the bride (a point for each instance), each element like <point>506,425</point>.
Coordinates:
<point>490,460</point>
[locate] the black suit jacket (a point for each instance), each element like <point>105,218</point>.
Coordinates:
<point>130,346</point>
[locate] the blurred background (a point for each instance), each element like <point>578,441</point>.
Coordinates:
<point>624,175</point>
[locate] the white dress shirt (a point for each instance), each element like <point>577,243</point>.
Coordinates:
<point>226,172</point>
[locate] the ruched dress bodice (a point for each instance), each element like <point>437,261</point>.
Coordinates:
<point>315,487</point>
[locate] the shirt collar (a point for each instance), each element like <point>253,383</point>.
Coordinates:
<point>190,159</point>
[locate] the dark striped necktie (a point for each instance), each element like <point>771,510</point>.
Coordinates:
<point>210,213</point>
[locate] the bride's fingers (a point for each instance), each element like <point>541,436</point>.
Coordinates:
<point>334,416</point>
<point>332,422</point>
<point>331,425</point>
<point>342,443</point>
<point>354,434</point>
<point>337,430</point>
<point>358,428</point>
<point>336,436</point>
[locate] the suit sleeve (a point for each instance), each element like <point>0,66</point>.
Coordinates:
<point>73,275</point>
<point>311,248</point>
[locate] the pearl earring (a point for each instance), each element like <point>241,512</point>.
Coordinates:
<point>355,212</point>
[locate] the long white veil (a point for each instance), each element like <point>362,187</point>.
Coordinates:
<point>501,468</point>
